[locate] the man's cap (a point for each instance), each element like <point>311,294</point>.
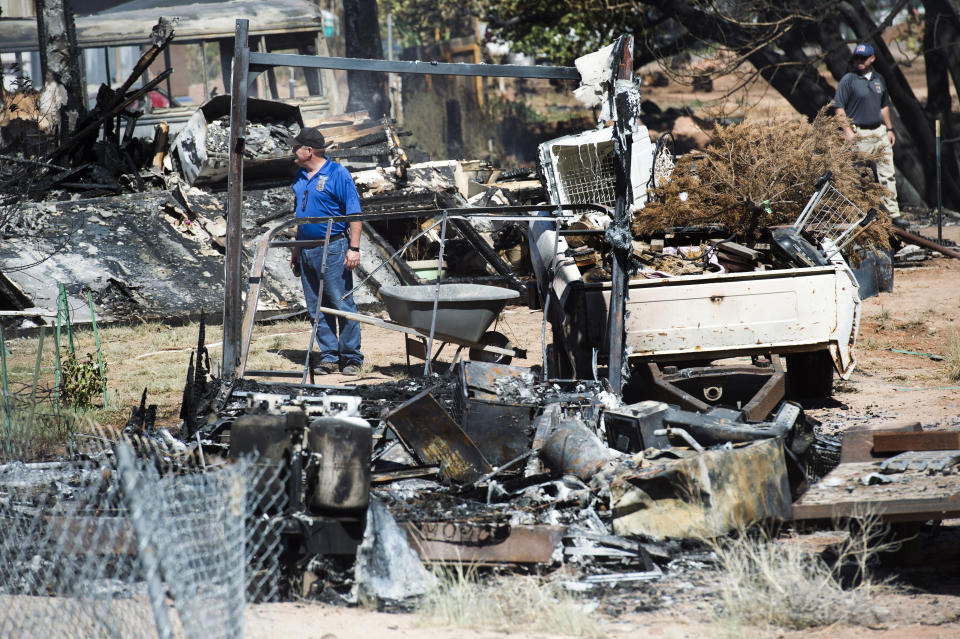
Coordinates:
<point>864,50</point>
<point>309,137</point>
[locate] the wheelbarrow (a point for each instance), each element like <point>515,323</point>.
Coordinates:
<point>464,313</point>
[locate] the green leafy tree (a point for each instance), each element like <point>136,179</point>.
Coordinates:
<point>419,22</point>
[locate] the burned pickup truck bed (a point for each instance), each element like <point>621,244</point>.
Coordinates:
<point>736,314</point>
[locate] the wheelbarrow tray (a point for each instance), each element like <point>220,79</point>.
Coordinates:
<point>464,311</point>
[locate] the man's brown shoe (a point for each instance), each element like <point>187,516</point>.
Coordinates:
<point>351,369</point>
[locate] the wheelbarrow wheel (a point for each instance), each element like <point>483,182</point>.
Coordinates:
<point>491,338</point>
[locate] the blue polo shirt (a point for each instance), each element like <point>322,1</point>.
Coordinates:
<point>330,191</point>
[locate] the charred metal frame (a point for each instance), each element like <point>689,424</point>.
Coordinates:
<point>247,65</point>
<point>535,213</point>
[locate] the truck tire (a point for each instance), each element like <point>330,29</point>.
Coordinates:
<point>809,375</point>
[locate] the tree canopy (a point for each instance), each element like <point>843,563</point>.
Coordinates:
<point>787,43</point>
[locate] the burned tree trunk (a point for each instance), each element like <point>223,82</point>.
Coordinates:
<point>63,85</point>
<point>941,49</point>
<point>361,33</point>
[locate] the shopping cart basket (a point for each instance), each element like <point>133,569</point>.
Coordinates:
<point>831,219</point>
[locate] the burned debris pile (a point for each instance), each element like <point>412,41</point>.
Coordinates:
<point>95,153</point>
<point>493,465</point>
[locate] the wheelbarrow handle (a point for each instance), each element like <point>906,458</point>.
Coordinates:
<point>868,218</point>
<point>823,179</point>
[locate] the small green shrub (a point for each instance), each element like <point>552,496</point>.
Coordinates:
<point>81,380</point>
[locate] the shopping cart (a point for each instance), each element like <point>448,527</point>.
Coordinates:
<point>831,219</point>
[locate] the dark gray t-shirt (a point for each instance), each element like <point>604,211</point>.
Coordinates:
<point>862,99</point>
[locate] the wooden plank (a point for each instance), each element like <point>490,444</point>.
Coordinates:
<point>739,252</point>
<point>924,440</point>
<point>858,442</point>
<point>911,496</point>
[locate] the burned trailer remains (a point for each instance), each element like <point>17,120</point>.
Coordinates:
<point>247,65</point>
<point>486,463</point>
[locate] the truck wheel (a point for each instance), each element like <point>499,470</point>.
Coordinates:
<point>809,375</point>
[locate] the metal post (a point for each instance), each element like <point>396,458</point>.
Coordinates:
<point>939,192</point>
<point>436,295</point>
<point>65,304</point>
<point>169,64</point>
<point>146,550</point>
<point>206,76</point>
<point>316,312</point>
<point>6,393</point>
<point>232,309</point>
<point>623,56</point>
<point>36,377</point>
<point>96,339</point>
<point>106,62</point>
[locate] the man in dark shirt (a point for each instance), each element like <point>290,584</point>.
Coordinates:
<point>862,97</point>
<point>325,188</point>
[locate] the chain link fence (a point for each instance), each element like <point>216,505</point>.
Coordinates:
<point>115,546</point>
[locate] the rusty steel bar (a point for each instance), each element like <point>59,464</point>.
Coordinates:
<point>232,307</point>
<point>925,242</point>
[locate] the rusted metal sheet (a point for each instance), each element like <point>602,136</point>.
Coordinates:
<point>924,440</point>
<point>912,495</point>
<point>501,426</point>
<point>426,429</point>
<point>483,543</point>
<point>704,494</point>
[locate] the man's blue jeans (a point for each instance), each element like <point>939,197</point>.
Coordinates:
<point>337,281</point>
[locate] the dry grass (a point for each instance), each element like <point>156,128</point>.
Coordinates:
<point>915,325</point>
<point>775,583</point>
<point>148,355</point>
<point>747,165</point>
<point>515,604</point>
<point>951,356</point>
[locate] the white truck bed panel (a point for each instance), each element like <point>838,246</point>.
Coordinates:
<point>740,313</point>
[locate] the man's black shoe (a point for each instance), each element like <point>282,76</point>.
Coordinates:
<point>351,369</point>
<point>326,368</point>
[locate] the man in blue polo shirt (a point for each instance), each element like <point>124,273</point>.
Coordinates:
<point>324,188</point>
<point>862,97</point>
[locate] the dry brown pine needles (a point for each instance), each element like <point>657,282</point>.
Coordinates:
<point>757,164</point>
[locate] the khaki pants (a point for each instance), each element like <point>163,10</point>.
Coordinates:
<point>870,141</point>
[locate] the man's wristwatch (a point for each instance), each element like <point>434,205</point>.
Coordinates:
<point>353,248</point>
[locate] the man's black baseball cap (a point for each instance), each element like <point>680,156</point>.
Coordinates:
<point>309,137</point>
